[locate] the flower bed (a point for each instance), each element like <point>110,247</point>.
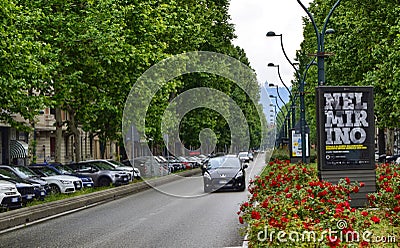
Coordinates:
<point>290,207</point>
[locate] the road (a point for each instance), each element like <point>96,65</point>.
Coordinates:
<point>177,214</point>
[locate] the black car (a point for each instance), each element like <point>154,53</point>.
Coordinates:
<point>224,172</point>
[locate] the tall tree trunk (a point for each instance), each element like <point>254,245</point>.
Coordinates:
<point>32,143</point>
<point>390,142</point>
<point>59,137</point>
<point>102,148</point>
<point>77,136</point>
<point>381,143</point>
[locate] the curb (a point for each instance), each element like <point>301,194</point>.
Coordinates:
<point>27,215</point>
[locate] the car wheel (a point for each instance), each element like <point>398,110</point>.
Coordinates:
<point>104,181</point>
<point>207,189</point>
<point>243,186</point>
<point>54,189</point>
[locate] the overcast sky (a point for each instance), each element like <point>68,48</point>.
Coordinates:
<point>253,19</point>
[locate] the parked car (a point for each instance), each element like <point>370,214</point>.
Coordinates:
<point>176,163</point>
<point>161,160</point>
<point>148,166</point>
<point>251,156</point>
<point>195,161</point>
<point>61,169</point>
<point>132,172</point>
<point>41,186</point>
<point>224,172</point>
<point>26,189</point>
<point>187,164</point>
<point>135,173</point>
<point>102,174</point>
<point>10,198</point>
<point>58,183</point>
<point>244,157</point>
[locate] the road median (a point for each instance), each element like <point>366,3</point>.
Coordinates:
<point>27,215</point>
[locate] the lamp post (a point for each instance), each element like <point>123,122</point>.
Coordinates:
<point>320,40</point>
<point>273,34</point>
<point>284,104</point>
<point>277,117</point>
<point>292,105</point>
<point>320,55</point>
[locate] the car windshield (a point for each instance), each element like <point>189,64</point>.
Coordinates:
<point>116,163</point>
<point>8,173</point>
<point>103,166</point>
<point>65,169</point>
<point>223,162</point>
<point>48,172</point>
<point>243,154</point>
<point>25,172</point>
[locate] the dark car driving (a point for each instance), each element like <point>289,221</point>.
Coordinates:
<point>224,172</point>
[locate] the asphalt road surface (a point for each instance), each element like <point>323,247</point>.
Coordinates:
<point>177,214</point>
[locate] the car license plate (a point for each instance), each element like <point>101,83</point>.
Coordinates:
<point>125,179</point>
<point>15,199</point>
<point>42,193</point>
<point>29,197</point>
<point>223,181</point>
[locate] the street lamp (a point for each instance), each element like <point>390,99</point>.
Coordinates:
<point>320,55</point>
<point>292,105</point>
<point>277,117</point>
<point>280,98</point>
<point>272,34</point>
<point>320,41</point>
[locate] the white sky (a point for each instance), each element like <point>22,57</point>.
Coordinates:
<point>253,19</point>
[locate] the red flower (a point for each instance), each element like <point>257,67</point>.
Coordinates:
<point>362,184</point>
<point>389,189</point>
<point>364,244</point>
<point>255,215</point>
<point>265,203</point>
<point>396,209</point>
<point>298,187</point>
<point>375,219</point>
<point>356,189</point>
<point>397,197</point>
<point>288,195</point>
<point>284,219</point>
<point>364,213</point>
<point>333,241</point>
<point>322,193</point>
<point>241,220</point>
<point>347,180</point>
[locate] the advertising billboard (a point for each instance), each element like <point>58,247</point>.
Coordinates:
<point>345,119</point>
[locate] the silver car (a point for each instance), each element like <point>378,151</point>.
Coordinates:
<point>101,173</point>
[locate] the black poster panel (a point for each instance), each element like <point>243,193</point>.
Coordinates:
<point>346,127</point>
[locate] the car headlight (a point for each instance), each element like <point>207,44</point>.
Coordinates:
<point>66,182</point>
<point>207,175</point>
<point>240,173</point>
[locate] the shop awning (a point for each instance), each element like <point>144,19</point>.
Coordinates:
<point>18,149</point>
